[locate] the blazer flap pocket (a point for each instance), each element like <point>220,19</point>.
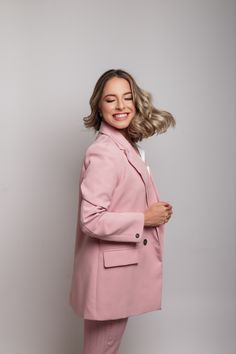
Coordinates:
<point>117,258</point>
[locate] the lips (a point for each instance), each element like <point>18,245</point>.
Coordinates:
<point>120,116</point>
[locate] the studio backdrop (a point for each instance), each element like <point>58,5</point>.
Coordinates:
<point>52,52</point>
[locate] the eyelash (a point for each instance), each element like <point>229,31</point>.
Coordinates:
<point>126,99</point>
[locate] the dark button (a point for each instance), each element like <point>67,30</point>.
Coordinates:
<point>145,241</point>
<point>137,235</point>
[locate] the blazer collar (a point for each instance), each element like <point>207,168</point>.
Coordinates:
<point>134,159</point>
<point>117,136</point>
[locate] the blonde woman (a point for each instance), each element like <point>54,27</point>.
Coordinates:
<point>119,245</point>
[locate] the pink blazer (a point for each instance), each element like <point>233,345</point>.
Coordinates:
<point>117,262</point>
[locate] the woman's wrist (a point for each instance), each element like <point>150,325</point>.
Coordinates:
<point>146,220</point>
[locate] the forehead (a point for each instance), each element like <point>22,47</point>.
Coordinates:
<point>116,85</point>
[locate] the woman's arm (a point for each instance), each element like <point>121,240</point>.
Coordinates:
<point>100,178</point>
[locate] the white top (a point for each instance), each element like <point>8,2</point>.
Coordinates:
<point>142,154</point>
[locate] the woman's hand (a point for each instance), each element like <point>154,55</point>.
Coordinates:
<point>157,214</point>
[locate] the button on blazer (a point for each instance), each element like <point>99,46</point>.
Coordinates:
<point>117,268</point>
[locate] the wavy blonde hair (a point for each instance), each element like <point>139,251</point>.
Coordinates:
<point>147,121</point>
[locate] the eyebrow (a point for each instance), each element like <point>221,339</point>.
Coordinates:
<point>111,94</point>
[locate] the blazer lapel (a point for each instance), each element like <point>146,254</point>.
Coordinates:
<point>136,161</point>
<point>132,156</point>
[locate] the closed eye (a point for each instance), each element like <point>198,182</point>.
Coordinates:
<point>126,99</point>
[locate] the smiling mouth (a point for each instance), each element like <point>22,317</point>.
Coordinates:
<point>120,115</point>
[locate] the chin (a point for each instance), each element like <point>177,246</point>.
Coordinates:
<point>121,125</point>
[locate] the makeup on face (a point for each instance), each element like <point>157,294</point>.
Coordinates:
<point>116,105</point>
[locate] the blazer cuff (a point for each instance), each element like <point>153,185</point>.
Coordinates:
<point>134,233</point>
<point>118,227</point>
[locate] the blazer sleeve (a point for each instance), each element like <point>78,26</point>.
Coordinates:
<point>99,179</point>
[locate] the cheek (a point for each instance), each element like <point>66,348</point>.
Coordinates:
<point>132,106</point>
<point>106,108</point>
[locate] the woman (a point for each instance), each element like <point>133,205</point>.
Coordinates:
<point>119,245</point>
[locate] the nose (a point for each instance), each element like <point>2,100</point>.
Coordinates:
<point>120,104</point>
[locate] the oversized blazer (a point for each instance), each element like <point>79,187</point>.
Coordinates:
<point>117,268</point>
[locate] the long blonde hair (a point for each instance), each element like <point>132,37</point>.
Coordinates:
<point>147,121</point>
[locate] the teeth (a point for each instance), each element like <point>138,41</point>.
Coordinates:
<point>121,115</point>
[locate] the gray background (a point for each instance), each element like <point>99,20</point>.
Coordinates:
<point>52,52</point>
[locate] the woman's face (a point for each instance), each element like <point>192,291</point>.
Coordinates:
<point>116,104</point>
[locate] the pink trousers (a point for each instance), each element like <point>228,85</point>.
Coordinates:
<point>103,337</point>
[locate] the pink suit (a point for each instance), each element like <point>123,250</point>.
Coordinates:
<point>118,262</point>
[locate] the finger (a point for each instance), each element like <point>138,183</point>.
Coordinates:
<point>163,203</point>
<point>168,208</point>
<point>168,204</point>
<point>166,220</point>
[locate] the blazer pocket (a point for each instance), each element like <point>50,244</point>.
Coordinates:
<point>116,258</point>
